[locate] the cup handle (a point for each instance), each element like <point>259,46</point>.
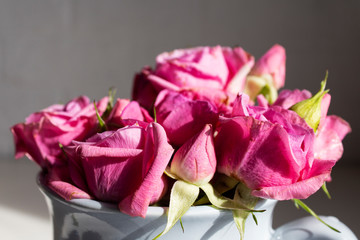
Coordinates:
<point>309,228</point>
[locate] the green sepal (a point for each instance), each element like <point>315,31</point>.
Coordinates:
<point>270,93</point>
<point>221,185</point>
<point>102,124</point>
<point>170,174</point>
<point>110,104</point>
<point>310,109</point>
<point>112,93</point>
<point>243,195</point>
<point>155,119</point>
<point>222,202</point>
<point>256,85</point>
<point>182,197</point>
<point>324,188</point>
<point>311,212</point>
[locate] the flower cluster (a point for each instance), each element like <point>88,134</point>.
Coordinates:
<point>203,116</point>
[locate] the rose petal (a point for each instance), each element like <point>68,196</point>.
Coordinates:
<point>137,202</point>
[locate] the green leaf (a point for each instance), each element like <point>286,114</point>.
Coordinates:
<point>310,109</point>
<point>102,124</point>
<point>311,212</point>
<point>324,188</point>
<point>182,196</point>
<point>223,202</point>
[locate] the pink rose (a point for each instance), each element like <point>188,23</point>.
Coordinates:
<point>39,137</point>
<point>271,150</point>
<point>126,112</point>
<point>331,131</point>
<point>182,117</point>
<point>195,161</point>
<point>125,166</point>
<point>209,69</point>
<point>268,74</point>
<point>272,63</point>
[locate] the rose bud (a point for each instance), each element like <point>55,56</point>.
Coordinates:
<point>268,74</point>
<point>195,161</point>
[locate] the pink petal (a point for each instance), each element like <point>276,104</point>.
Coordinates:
<point>59,181</point>
<point>240,105</point>
<point>195,161</point>
<point>299,190</point>
<point>288,98</point>
<point>273,63</point>
<point>143,91</point>
<point>136,203</point>
<point>67,190</point>
<point>181,117</point>
<point>337,124</point>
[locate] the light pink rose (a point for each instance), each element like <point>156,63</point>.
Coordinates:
<point>209,69</point>
<point>39,137</point>
<point>272,63</point>
<point>125,166</point>
<point>182,117</point>
<point>195,161</point>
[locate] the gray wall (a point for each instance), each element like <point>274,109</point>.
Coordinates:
<point>54,50</point>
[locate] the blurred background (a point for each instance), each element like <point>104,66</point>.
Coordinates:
<point>54,50</point>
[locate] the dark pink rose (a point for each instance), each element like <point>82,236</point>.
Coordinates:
<point>125,166</point>
<point>182,117</point>
<point>195,161</point>
<point>39,137</point>
<point>209,69</point>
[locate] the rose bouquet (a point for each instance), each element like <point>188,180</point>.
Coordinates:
<point>205,126</point>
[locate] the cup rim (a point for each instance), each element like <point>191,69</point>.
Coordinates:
<point>99,206</point>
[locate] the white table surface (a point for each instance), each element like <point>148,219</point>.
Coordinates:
<point>24,214</point>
